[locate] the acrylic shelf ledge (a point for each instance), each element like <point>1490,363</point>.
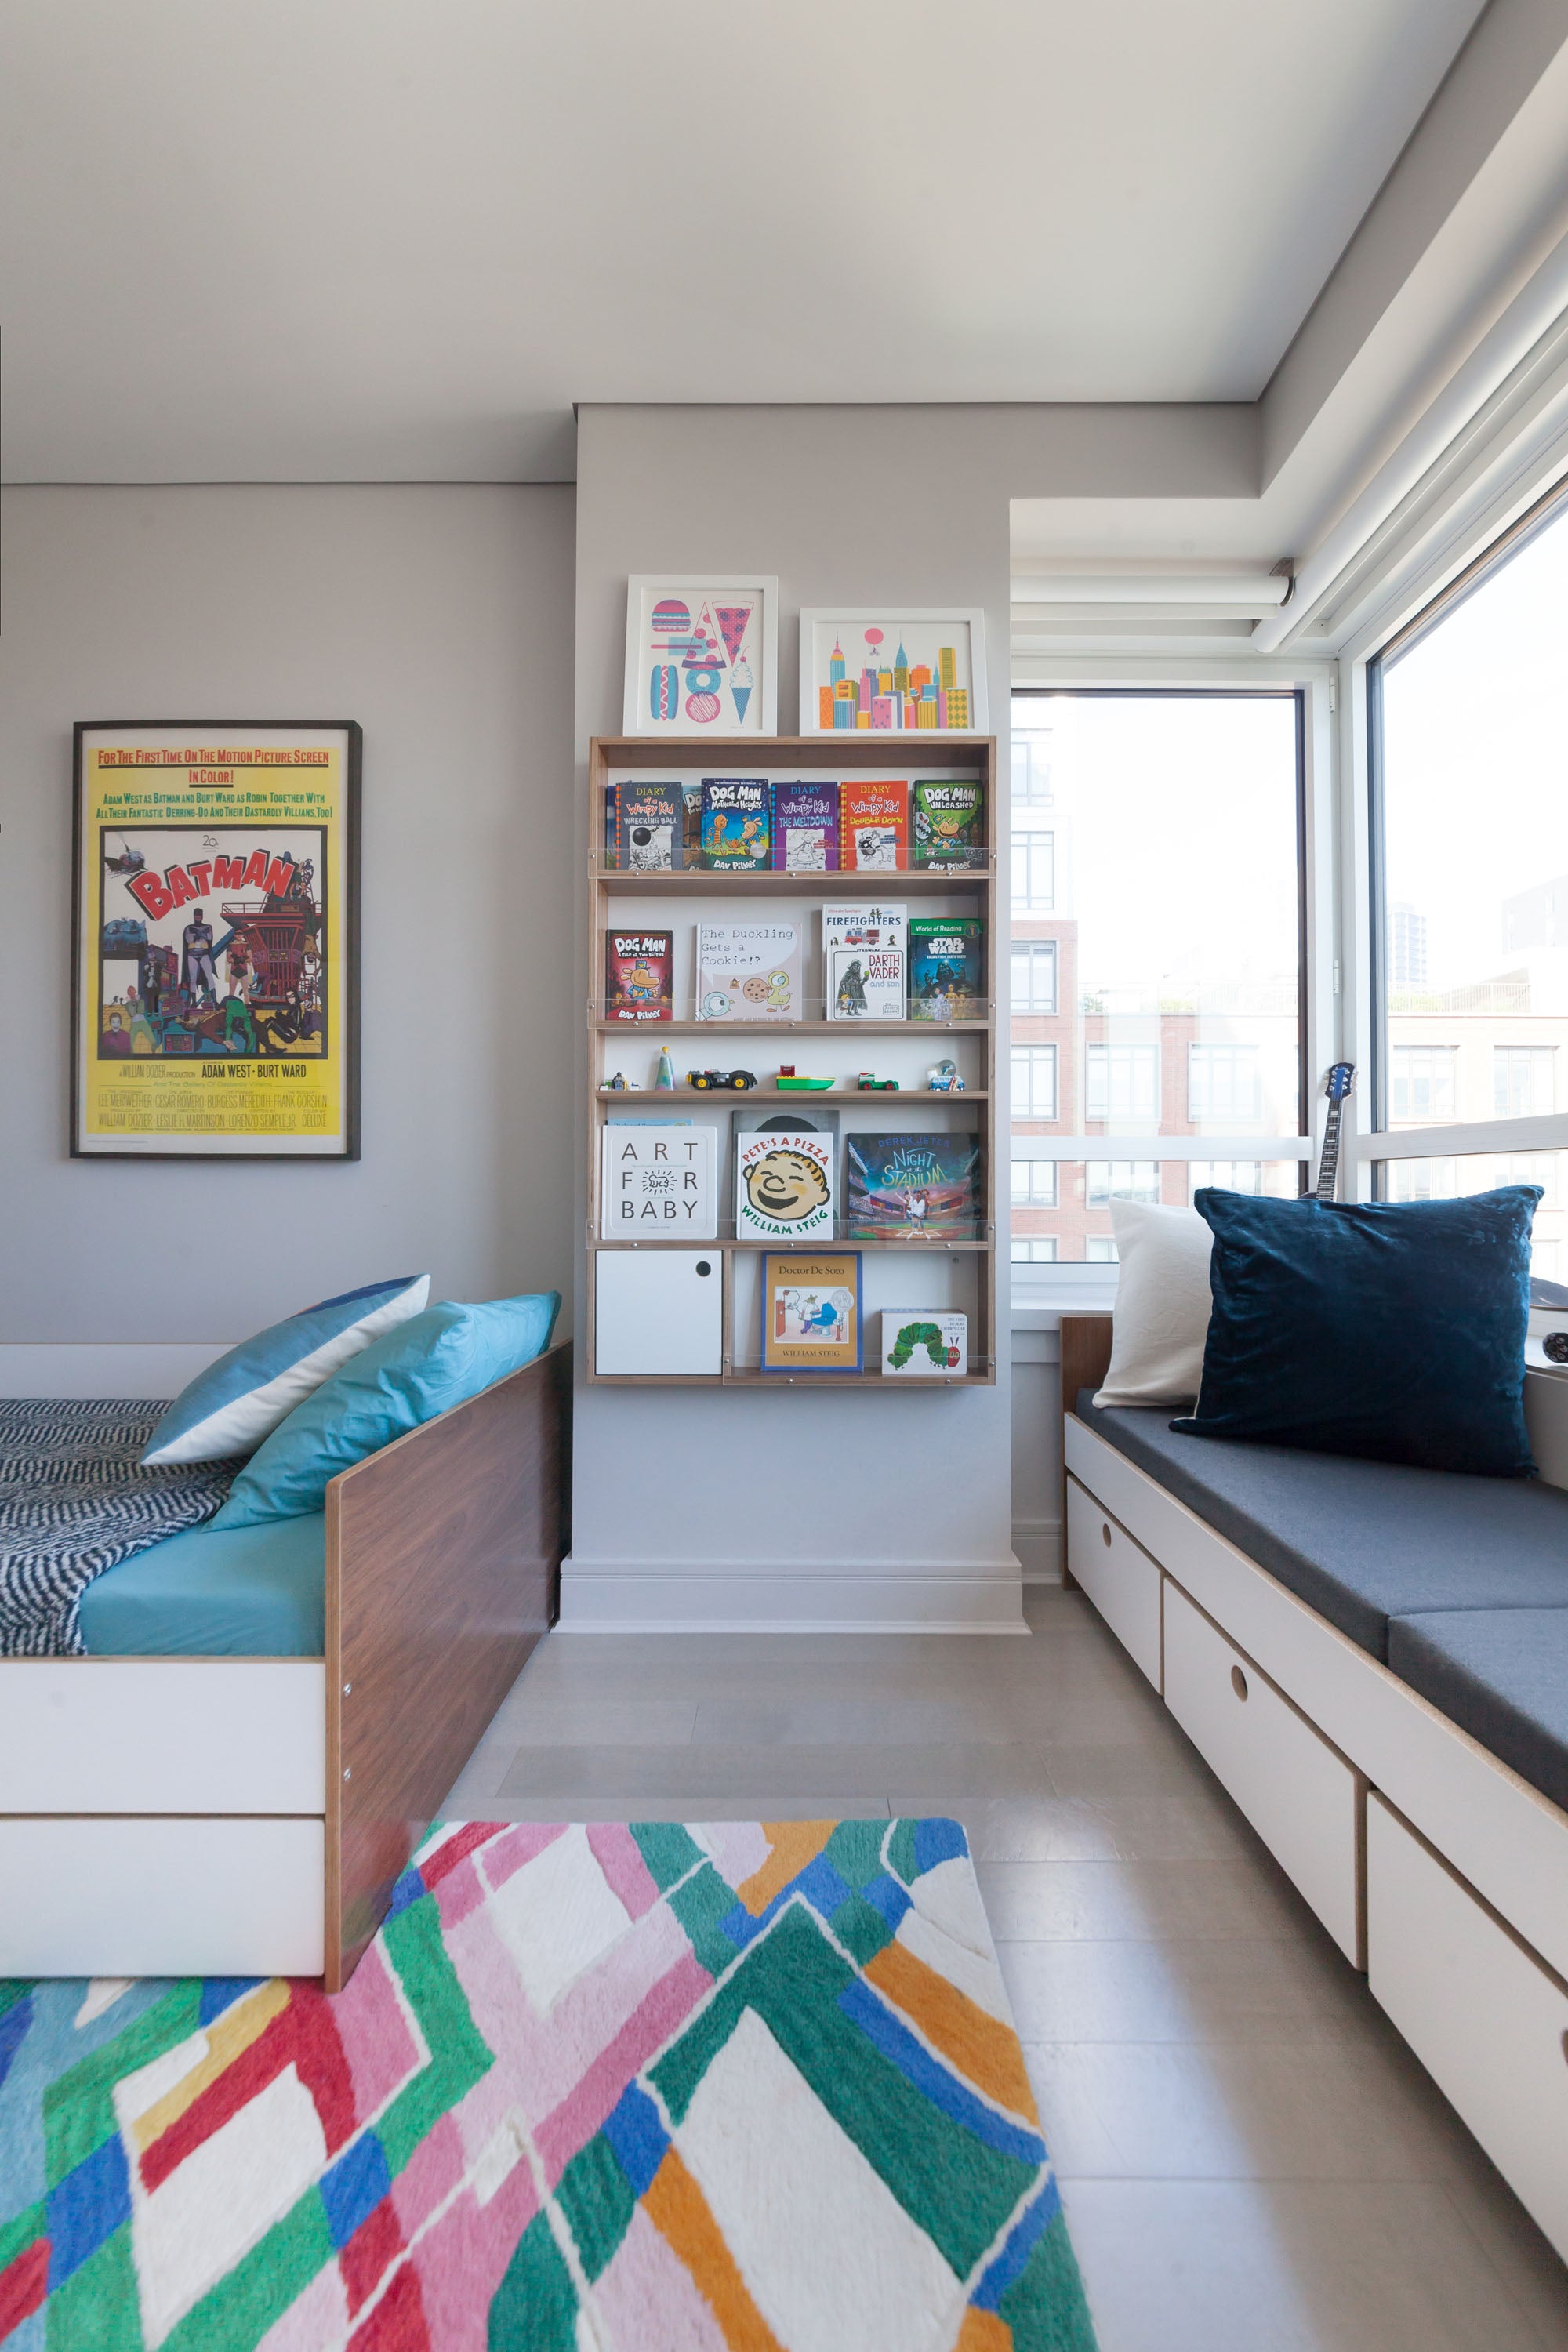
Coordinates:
<point>736,1029</point>
<point>750,1376</point>
<point>931,1246</point>
<point>787,1095</point>
<point>850,884</point>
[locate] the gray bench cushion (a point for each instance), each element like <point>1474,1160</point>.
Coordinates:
<point>1361,1541</point>
<point>1502,1674</point>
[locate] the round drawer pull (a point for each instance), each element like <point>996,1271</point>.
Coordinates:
<point>1105,1533</point>
<point>1238,1681</point>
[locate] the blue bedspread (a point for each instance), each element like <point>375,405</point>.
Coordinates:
<point>74,1500</point>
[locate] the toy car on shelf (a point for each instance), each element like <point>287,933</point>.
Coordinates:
<point>791,1081</point>
<point>868,1083</point>
<point>737,1080</point>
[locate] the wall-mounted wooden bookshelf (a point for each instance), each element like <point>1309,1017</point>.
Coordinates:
<point>967,1269</point>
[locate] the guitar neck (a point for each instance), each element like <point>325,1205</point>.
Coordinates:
<point>1328,1165</point>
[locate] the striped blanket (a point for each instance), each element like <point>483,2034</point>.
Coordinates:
<point>74,1500</point>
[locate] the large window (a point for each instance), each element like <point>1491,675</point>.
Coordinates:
<point>1157,916</point>
<point>1468,717</point>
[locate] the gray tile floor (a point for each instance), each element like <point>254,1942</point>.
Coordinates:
<point>1251,2160</point>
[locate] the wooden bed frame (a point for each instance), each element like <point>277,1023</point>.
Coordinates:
<point>203,1816</point>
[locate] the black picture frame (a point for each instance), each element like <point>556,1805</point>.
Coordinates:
<point>348,951</point>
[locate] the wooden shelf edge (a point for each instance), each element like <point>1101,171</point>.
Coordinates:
<point>845,1029</point>
<point>657,1095</point>
<point>741,1242</point>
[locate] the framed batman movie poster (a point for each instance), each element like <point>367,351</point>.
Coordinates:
<point>216,941</point>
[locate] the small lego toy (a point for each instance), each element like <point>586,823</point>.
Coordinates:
<point>870,1083</point>
<point>615,1086</point>
<point>943,1079</point>
<point>736,1080</point>
<point>788,1083</point>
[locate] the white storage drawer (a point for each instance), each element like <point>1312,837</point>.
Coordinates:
<point>1299,1794</point>
<point>659,1313</point>
<point>1488,2021</point>
<point>1118,1577</point>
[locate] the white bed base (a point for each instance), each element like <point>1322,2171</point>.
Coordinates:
<point>1435,1867</point>
<point>166,1816</point>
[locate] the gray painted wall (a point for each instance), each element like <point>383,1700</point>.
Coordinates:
<point>441,618</point>
<point>694,1506</point>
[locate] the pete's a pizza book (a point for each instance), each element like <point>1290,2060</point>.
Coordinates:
<point>784,1185</point>
<point>640,974</point>
<point>811,1311</point>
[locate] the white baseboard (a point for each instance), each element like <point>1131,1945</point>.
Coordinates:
<point>1038,1544</point>
<point>104,1368</point>
<point>763,1599</point>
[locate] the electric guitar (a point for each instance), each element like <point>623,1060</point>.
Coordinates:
<point>1336,1086</point>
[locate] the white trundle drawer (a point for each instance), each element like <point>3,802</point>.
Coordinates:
<point>1488,2021</point>
<point>162,1898</point>
<point>1118,1577</point>
<point>1299,1794</point>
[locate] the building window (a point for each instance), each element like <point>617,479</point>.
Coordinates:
<point>1121,1082</point>
<point>1525,1081</point>
<point>1031,770</point>
<point>1121,1179</point>
<point>1422,1082</point>
<point>1034,1183</point>
<point>1034,873</point>
<point>1101,1250</point>
<point>1222,1084</point>
<point>1229,1175</point>
<point>1036,1249</point>
<point>1464,724</point>
<point>1034,1082</point>
<point>1034,976</point>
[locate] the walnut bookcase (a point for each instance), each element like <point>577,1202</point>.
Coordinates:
<point>619,898</point>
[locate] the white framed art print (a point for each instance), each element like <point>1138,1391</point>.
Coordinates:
<point>897,671</point>
<point>702,655</point>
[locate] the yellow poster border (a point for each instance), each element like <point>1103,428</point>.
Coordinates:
<point>344,1146</point>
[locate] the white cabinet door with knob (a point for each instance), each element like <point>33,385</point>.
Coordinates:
<point>1486,2017</point>
<point>1118,1577</point>
<point>1299,1794</point>
<point>659,1312</point>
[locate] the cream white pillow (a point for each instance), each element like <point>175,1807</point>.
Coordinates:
<point>1162,1305</point>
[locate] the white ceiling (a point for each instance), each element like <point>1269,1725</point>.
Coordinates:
<point>374,239</point>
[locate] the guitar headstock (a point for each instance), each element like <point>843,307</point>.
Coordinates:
<point>1338,1079</point>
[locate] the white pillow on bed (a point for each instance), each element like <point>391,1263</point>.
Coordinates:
<point>1162,1304</point>
<point>228,1409</point>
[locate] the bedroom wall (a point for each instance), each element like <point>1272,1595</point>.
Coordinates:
<point>440,616</point>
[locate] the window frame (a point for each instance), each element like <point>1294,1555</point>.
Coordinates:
<point>1372,1143</point>
<point>1312,685</point>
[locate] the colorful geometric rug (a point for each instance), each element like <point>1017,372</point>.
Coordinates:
<point>736,2088</point>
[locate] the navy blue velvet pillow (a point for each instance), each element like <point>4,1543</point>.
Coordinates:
<point>1390,1329</point>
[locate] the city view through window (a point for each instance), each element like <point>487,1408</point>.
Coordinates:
<point>1154,952</point>
<point>1474,761</point>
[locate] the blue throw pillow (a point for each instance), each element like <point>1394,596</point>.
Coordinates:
<point>237,1401</point>
<point>424,1368</point>
<point>1394,1330</point>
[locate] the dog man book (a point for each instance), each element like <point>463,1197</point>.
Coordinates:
<point>947,824</point>
<point>639,971</point>
<point>735,829</point>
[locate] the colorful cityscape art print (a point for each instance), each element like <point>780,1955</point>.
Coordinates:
<point>701,655</point>
<point>894,672</point>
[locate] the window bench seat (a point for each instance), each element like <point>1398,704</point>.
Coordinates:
<point>1373,1661</point>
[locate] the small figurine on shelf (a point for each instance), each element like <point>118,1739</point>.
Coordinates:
<point>868,1083</point>
<point>615,1085</point>
<point>943,1079</point>
<point>665,1078</point>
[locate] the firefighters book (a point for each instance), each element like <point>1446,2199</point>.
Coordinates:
<point>863,956</point>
